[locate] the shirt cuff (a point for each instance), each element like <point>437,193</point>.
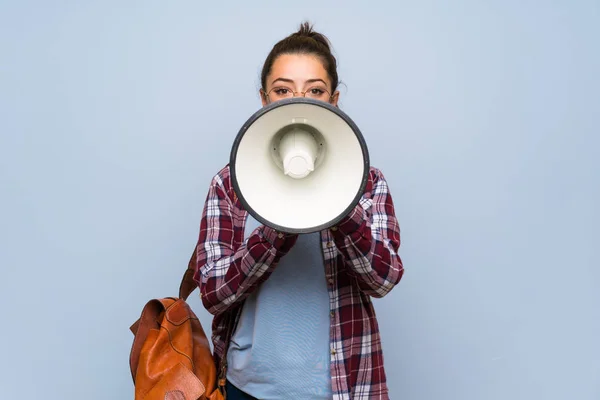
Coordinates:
<point>282,242</point>
<point>352,224</point>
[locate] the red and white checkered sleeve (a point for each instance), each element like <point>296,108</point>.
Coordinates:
<point>369,239</point>
<point>226,274</point>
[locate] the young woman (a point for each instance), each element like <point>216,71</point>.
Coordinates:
<point>306,327</point>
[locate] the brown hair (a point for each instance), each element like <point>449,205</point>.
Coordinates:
<point>304,41</point>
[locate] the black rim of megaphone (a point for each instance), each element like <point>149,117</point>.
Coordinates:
<point>282,103</point>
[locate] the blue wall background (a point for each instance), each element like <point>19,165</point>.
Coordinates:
<point>483,116</point>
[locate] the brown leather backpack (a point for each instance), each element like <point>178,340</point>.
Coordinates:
<point>170,357</point>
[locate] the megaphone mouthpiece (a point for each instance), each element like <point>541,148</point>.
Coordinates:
<point>298,151</point>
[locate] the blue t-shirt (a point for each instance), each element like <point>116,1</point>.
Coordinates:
<point>280,349</point>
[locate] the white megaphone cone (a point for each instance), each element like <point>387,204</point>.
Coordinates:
<point>299,165</point>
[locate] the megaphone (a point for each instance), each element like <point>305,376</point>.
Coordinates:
<point>299,165</point>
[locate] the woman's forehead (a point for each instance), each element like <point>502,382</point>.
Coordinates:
<point>298,68</point>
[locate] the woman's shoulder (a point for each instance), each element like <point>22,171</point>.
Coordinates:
<point>375,174</point>
<point>222,177</point>
<point>222,181</point>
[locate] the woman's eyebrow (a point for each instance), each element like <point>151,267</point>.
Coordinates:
<point>316,80</point>
<point>291,81</point>
<point>282,80</point>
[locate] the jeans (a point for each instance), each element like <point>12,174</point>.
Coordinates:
<point>234,393</point>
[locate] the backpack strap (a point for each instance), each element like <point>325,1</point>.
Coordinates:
<point>188,284</point>
<point>232,321</point>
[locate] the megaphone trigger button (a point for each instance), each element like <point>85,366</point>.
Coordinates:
<point>280,235</point>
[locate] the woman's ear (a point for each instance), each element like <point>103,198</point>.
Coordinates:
<point>263,97</point>
<point>335,98</point>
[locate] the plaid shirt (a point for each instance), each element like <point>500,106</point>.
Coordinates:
<point>360,258</point>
